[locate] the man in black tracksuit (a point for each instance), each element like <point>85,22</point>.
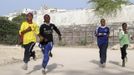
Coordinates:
<point>46,31</point>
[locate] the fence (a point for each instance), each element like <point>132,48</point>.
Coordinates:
<point>79,35</point>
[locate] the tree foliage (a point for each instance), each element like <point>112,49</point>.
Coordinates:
<point>107,7</point>
<point>9,30</point>
<point>19,19</point>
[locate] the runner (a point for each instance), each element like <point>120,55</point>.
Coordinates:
<point>124,42</point>
<point>46,31</point>
<point>102,34</point>
<point>27,32</point>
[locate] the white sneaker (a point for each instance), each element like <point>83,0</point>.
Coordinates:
<point>103,65</point>
<point>43,72</point>
<point>126,59</point>
<point>25,66</point>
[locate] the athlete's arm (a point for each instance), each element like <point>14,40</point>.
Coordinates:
<point>57,31</point>
<point>27,30</point>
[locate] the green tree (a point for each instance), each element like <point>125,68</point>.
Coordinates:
<point>19,19</point>
<point>4,18</point>
<point>8,31</point>
<point>107,7</point>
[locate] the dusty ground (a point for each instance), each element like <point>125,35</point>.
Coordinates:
<point>12,54</point>
<point>66,61</point>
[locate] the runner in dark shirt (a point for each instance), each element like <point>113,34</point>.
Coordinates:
<point>46,31</point>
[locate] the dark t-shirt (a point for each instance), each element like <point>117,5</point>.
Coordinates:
<point>46,31</point>
<point>102,34</point>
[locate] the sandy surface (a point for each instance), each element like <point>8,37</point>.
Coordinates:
<point>69,61</point>
<point>12,54</point>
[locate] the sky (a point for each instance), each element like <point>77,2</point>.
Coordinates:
<point>8,6</point>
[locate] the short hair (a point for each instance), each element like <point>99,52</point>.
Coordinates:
<point>102,19</point>
<point>46,15</point>
<point>123,24</point>
<point>29,14</point>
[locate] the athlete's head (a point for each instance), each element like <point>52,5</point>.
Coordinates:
<point>46,18</point>
<point>103,22</point>
<point>29,17</point>
<point>124,26</point>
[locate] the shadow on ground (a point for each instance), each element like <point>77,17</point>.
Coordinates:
<point>49,67</point>
<point>115,63</point>
<point>95,62</point>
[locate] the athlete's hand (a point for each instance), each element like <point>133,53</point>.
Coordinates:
<point>131,38</point>
<point>101,34</point>
<point>27,30</point>
<point>109,36</point>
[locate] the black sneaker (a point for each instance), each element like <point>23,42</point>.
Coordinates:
<point>33,55</point>
<point>126,59</point>
<point>123,63</point>
<point>50,54</point>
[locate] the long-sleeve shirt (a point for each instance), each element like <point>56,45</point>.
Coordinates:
<point>123,38</point>
<point>102,34</point>
<point>31,35</point>
<point>46,31</point>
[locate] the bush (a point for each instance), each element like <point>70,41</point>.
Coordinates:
<point>8,32</point>
<point>19,19</point>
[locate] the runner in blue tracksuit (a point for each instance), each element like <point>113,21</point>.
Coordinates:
<point>102,34</point>
<point>46,31</point>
